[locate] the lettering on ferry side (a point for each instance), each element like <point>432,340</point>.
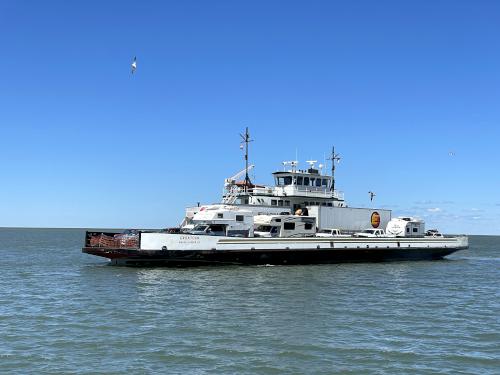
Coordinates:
<point>189,239</point>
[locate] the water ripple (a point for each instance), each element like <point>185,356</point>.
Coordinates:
<point>66,312</point>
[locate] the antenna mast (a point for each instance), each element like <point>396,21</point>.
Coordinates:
<point>334,158</point>
<point>246,139</point>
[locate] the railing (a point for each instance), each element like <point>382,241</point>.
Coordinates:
<point>292,190</point>
<point>289,190</point>
<point>112,240</point>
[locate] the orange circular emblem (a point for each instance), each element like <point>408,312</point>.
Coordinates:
<point>375,219</point>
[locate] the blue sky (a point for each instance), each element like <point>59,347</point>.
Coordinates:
<point>395,86</point>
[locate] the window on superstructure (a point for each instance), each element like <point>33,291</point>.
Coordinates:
<point>287,203</point>
<point>312,181</point>
<point>306,181</point>
<point>329,204</point>
<point>274,202</point>
<point>288,180</point>
<point>299,180</point>
<point>280,203</point>
<point>318,182</point>
<point>325,182</point>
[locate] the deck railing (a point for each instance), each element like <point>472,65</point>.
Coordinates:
<point>112,240</point>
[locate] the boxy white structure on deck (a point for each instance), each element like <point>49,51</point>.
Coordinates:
<point>349,219</point>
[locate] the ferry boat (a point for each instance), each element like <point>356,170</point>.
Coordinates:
<point>302,219</point>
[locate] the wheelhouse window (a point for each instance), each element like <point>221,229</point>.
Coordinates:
<point>300,179</point>
<point>306,181</point>
<point>325,182</point>
<point>286,180</point>
<point>318,182</point>
<point>280,203</point>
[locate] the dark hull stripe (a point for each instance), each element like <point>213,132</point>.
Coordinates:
<point>131,257</point>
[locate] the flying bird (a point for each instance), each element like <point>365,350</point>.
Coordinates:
<point>372,194</point>
<point>133,65</point>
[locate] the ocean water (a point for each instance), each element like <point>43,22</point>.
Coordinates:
<point>62,311</point>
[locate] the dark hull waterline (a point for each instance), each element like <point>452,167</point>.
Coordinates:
<point>179,258</point>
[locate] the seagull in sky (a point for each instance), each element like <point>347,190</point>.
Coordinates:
<point>133,65</point>
<point>372,194</point>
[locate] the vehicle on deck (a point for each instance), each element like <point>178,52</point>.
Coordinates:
<point>331,233</point>
<point>370,233</point>
<point>433,233</point>
<point>284,226</point>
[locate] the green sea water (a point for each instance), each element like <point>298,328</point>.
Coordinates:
<point>64,312</point>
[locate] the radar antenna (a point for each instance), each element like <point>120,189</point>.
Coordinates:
<point>311,163</point>
<point>334,158</point>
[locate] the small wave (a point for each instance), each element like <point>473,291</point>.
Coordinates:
<point>477,258</point>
